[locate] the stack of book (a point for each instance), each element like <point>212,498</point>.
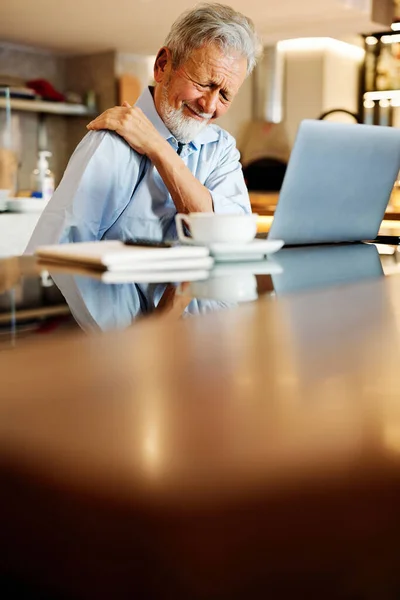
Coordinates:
<point>117,262</point>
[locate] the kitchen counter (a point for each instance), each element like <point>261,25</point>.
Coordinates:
<point>15,232</point>
<point>264,203</point>
<point>16,228</point>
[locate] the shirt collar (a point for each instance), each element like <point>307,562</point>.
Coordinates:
<point>146,103</point>
<point>209,134</point>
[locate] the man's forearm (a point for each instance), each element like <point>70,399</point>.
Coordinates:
<point>188,194</point>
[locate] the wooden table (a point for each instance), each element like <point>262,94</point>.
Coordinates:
<point>251,453</point>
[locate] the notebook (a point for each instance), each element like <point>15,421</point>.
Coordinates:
<point>128,275</point>
<point>114,255</point>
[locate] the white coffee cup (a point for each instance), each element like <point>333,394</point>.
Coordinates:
<point>207,228</point>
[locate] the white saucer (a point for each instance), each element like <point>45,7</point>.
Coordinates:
<point>256,267</point>
<point>255,250</point>
<point>24,205</point>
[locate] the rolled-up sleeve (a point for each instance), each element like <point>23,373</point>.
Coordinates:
<point>96,187</point>
<point>226,182</point>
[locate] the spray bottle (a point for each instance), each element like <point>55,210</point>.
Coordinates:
<point>42,179</point>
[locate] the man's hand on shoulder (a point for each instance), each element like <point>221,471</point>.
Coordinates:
<point>133,125</point>
<point>187,193</point>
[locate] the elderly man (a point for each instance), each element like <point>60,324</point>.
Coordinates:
<point>163,155</point>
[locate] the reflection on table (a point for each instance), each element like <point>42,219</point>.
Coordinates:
<point>46,291</point>
<point>96,305</point>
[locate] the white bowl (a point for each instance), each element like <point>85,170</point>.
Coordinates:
<point>25,205</point>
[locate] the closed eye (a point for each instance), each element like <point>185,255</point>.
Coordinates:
<point>222,93</point>
<point>225,96</point>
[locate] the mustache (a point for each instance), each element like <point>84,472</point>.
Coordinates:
<point>200,114</point>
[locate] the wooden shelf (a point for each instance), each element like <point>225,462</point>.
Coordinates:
<point>42,106</point>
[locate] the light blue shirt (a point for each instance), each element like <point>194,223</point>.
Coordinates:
<point>110,191</point>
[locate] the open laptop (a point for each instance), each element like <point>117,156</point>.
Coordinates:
<point>337,183</point>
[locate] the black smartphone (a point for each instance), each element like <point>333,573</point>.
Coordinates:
<point>148,243</point>
<point>393,240</point>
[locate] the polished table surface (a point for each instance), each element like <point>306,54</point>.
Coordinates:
<point>246,453</point>
<point>31,292</point>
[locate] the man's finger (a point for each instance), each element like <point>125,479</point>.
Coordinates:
<point>110,112</point>
<point>126,104</point>
<point>104,123</point>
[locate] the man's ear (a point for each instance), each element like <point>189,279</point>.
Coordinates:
<point>162,64</point>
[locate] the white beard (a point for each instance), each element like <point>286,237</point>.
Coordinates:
<point>183,128</point>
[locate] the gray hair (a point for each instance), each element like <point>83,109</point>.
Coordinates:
<point>213,24</point>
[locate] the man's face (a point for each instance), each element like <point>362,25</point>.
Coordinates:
<point>199,91</point>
